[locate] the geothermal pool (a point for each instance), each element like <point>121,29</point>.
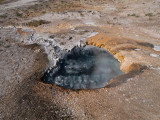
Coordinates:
<point>84,68</point>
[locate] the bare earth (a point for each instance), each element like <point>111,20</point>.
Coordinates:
<point>29,31</point>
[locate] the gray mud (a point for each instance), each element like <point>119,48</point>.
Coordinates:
<point>84,68</point>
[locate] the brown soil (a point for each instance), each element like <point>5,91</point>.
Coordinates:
<point>128,29</point>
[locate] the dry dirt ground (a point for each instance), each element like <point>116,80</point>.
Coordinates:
<point>29,32</point>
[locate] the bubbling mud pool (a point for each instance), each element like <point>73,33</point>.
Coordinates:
<point>84,68</point>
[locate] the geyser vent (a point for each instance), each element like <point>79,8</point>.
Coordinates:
<point>84,68</point>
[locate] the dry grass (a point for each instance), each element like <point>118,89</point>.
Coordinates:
<point>3,16</point>
<point>57,6</point>
<point>37,23</point>
<point>1,0</point>
<point>149,14</point>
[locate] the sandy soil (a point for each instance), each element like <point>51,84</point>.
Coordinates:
<point>29,32</point>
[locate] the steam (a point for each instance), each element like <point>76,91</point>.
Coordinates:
<point>84,68</point>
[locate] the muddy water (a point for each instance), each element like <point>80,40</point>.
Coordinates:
<point>84,68</point>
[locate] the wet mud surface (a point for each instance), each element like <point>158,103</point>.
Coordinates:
<point>84,68</point>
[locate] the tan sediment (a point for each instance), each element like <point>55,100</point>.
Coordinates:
<point>124,49</point>
<point>105,41</point>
